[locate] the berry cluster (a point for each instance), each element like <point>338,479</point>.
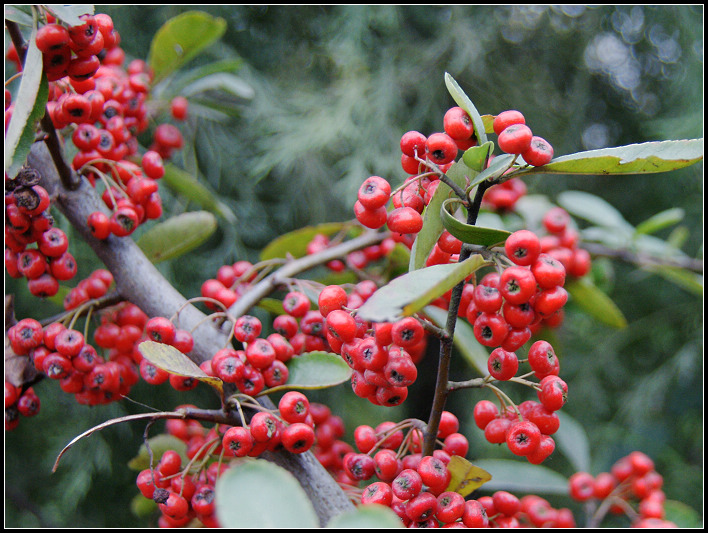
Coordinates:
<point>506,308</point>
<point>185,492</point>
<point>181,497</point>
<point>562,243</point>
<point>356,260</point>
<point>632,478</point>
<point>230,282</point>
<point>19,402</point>
<point>35,249</point>
<point>515,137</point>
<point>503,196</point>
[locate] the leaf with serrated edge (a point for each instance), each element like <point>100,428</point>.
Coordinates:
<point>409,293</point>
<point>466,477</point>
<point>171,360</point>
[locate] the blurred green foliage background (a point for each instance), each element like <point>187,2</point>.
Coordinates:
<point>319,103</point>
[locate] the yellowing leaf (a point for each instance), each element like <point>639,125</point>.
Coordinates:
<point>466,477</point>
<point>173,361</point>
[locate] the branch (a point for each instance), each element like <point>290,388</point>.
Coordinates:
<point>644,260</point>
<point>139,281</point>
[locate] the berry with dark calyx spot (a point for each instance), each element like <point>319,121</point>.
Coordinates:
<point>440,148</point>
<point>515,139</point>
<point>374,192</point>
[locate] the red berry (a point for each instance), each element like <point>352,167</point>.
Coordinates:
<point>515,139</point>
<point>458,124</point>
<point>523,438</point>
<point>581,486</point>
<point>294,407</point>
<point>412,144</point>
<point>523,247</point>
<point>517,284</point>
<point>490,329</point>
<point>502,365</point>
<point>179,107</point>
<point>507,118</point>
<point>374,192</point>
<point>298,437</point>
<point>440,148</point>
<point>539,153</point>
<point>405,220</point>
<point>52,37</point>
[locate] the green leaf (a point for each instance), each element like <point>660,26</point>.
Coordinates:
<point>258,494</point>
<point>572,441</point>
<point>497,167</point>
<point>432,223</point>
<point>186,185</point>
<point>70,13</point>
<point>315,370</point>
<point>595,303</point>
<point>518,476</point>
<point>171,360</point>
<point>177,235</point>
<point>410,292</point>
<point>644,158</point>
<point>468,233</point>
<point>465,103</point>
<point>594,209</point>
<point>686,279</point>
<point>21,14</point>
<point>469,347</point>
<point>682,515</point>
<point>223,82</point>
<point>29,106</point>
<point>477,157</point>
<point>182,38</point>
<point>661,220</point>
<point>371,516</point>
<point>295,242</point>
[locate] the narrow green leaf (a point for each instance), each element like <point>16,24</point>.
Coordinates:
<point>315,370</point>
<point>432,223</point>
<point>177,235</point>
<point>467,345</point>
<point>519,476</point>
<point>182,38</point>
<point>686,279</point>
<point>21,14</point>
<point>223,82</point>
<point>411,292</point>
<point>595,303</point>
<point>186,185</point>
<point>465,103</point>
<point>29,106</point>
<point>572,441</point>
<point>594,209</point>
<point>258,494</point>
<point>661,220</point>
<point>498,166</point>
<point>295,242</point>
<point>367,517</point>
<point>644,158</point>
<point>682,515</point>
<point>171,360</point>
<point>470,234</point>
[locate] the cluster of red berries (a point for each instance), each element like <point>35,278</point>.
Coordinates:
<point>35,249</point>
<point>19,402</point>
<point>95,286</point>
<point>181,497</point>
<point>382,355</point>
<point>228,285</point>
<point>505,308</point>
<point>632,478</point>
<point>562,243</point>
<point>503,196</point>
<point>356,260</point>
<point>102,106</point>
<point>515,137</point>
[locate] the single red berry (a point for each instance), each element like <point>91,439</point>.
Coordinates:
<point>496,430</point>
<point>549,301</point>
<point>548,271</point>
<point>523,438</point>
<point>490,329</point>
<point>374,192</point>
<point>556,220</point>
<point>484,412</point>
<point>487,299</point>
<point>359,466</point>
<point>502,365</point>
<point>294,407</point>
<point>378,492</point>
<point>160,329</point>
<point>506,503</point>
<point>260,353</point>
<point>523,247</point>
<point>296,304</point>
<point>51,37</point>
<point>507,118</point>
<point>247,328</point>
<point>581,486</point>
<point>440,148</point>
<point>421,507</point>
<point>517,284</point>
<point>553,393</point>
<point>515,139</point>
<point>475,515</point>
<point>400,370</point>
<point>458,124</point>
<point>539,153</point>
<point>179,107</point>
<point>413,144</point>
<point>298,437</point>
<point>405,220</point>
<point>407,484</point>
<point>331,298</point>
